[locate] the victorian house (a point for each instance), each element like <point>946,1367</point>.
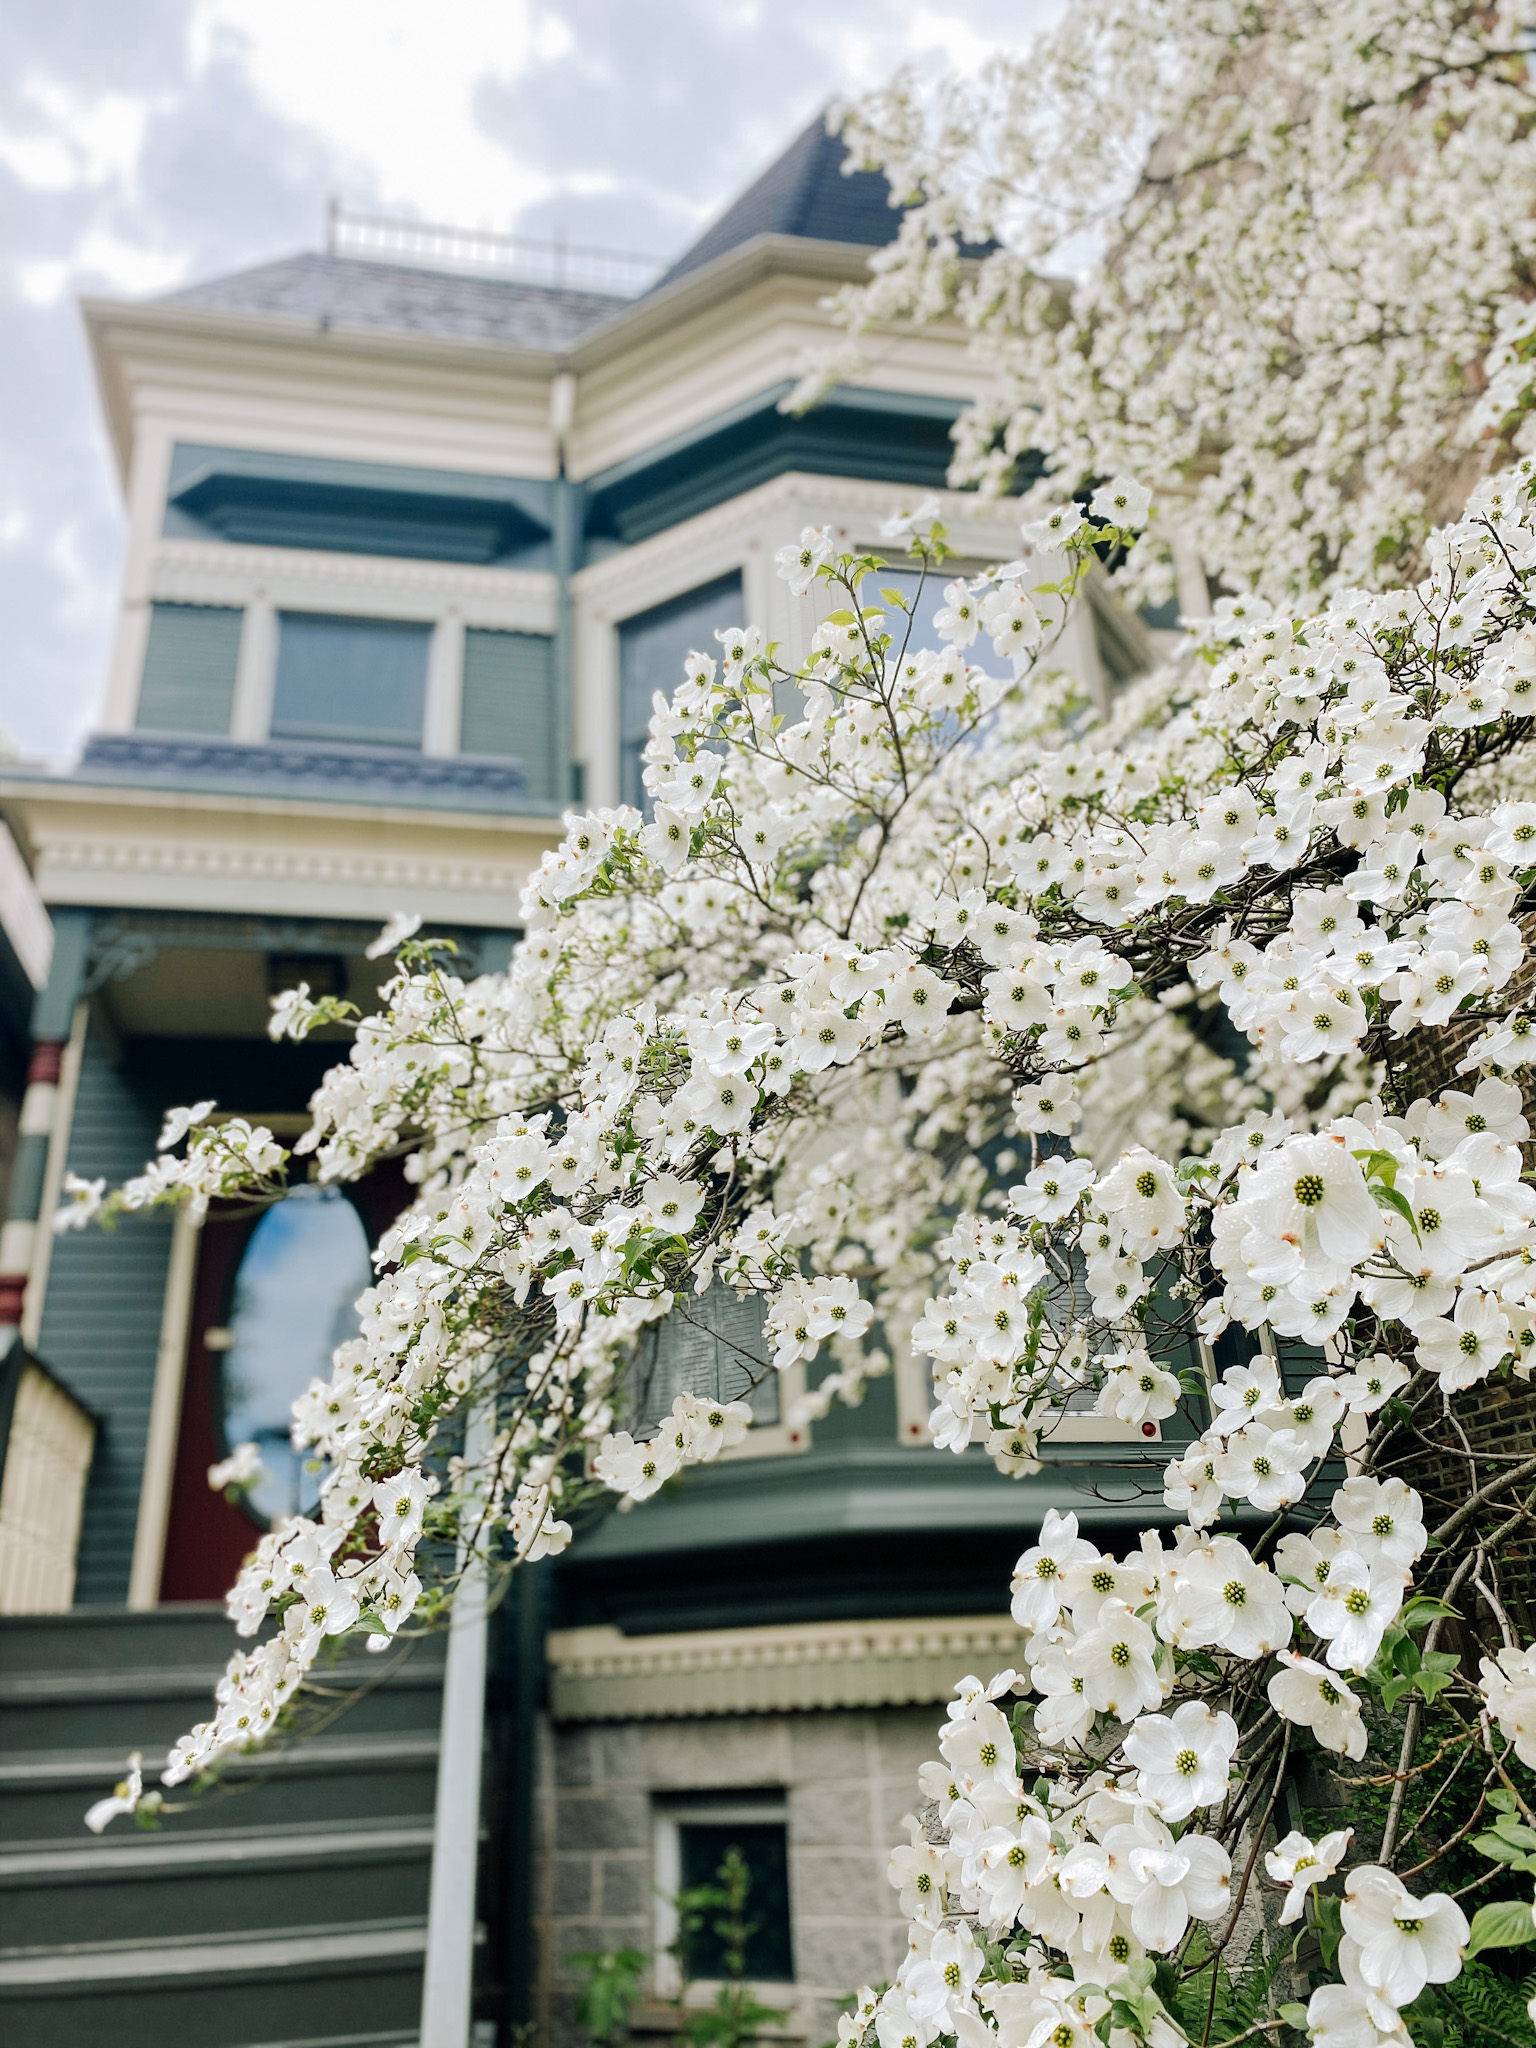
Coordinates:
<point>416,525</point>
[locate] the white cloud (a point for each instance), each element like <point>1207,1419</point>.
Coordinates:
<point>390,84</point>
<point>69,142</point>
<point>103,262</point>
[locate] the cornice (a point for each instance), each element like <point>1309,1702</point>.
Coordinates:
<point>263,565</point>
<point>978,526</point>
<point>160,317</point>
<point>764,256</point>
<point>600,1674</point>
<point>160,328</point>
<point>56,794</point>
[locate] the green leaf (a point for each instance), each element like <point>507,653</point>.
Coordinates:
<point>1294,2016</point>
<point>1425,1608</point>
<point>1431,1682</point>
<point>1327,1914</point>
<point>1378,1166</point>
<point>1389,1198</point>
<point>1507,1924</point>
<point>1499,1852</point>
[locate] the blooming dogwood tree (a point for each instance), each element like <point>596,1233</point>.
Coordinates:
<point>849,1022</point>
<point>1274,259</point>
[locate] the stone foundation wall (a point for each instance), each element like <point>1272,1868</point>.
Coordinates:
<point>847,1780</point>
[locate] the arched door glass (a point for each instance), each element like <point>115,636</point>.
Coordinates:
<point>305,1266</point>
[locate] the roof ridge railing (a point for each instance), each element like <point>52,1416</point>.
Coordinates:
<point>556,263</point>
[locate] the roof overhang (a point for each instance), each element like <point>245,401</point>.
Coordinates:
<point>120,330</point>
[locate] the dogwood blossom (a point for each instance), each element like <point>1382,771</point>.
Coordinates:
<point>859,1061</point>
<point>1290,234</point>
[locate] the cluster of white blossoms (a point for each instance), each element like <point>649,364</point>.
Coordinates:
<point>1079,1880</point>
<point>826,1028</point>
<point>1274,259</point>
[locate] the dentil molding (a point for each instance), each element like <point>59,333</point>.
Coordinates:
<point>600,1674</point>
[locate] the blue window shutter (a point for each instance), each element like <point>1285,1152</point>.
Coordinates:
<point>189,668</point>
<point>508,704</point>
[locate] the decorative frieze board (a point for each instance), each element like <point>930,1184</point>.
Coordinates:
<point>600,1674</point>
<point>163,851</point>
<point>977,527</point>
<point>280,863</point>
<point>222,572</point>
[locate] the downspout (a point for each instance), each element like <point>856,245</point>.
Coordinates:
<point>566,545</point>
<point>521,1685</point>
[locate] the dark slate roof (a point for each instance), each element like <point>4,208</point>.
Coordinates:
<point>804,192</point>
<point>351,291</point>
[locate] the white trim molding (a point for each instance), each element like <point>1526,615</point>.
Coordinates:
<point>164,1414</point>
<point>372,586</point>
<point>164,849</point>
<point>600,1674</point>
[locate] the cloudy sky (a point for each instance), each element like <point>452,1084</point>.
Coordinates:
<point>147,142</point>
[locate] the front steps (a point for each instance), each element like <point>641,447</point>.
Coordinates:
<point>286,1911</point>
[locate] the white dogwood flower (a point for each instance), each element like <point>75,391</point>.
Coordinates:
<point>1183,1760</point>
<point>1300,1863</point>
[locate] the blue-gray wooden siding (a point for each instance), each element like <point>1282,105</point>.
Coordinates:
<point>189,668</point>
<point>101,1321</point>
<point>508,703</point>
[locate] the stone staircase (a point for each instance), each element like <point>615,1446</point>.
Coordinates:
<point>288,1911</point>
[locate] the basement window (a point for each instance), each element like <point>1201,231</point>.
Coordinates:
<point>693,1838</point>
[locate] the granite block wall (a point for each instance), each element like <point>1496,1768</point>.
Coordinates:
<point>846,1780</point>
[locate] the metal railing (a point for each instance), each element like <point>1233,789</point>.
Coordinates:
<point>562,265</point>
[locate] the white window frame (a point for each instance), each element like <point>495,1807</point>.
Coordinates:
<point>263,582</point>
<point>667,1816</point>
<point>915,1400</point>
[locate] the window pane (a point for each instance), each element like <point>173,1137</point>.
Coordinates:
<point>508,703</point>
<point>189,668</point>
<point>711,1345</point>
<point>652,650</point>
<point>363,680</point>
<point>924,596</point>
<point>702,1847</point>
<point>305,1266</point>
